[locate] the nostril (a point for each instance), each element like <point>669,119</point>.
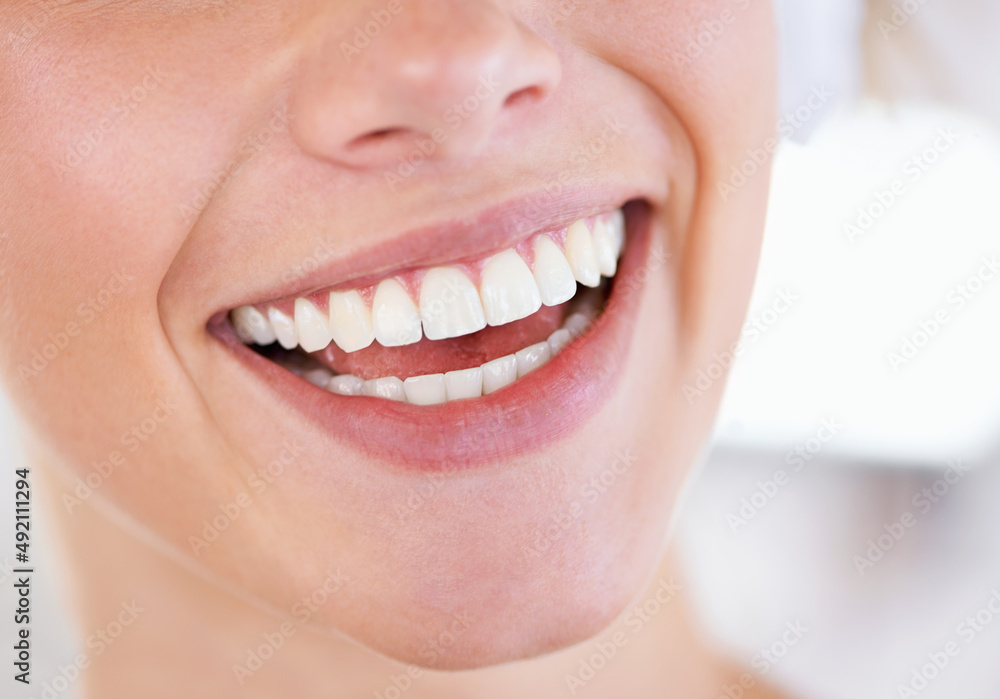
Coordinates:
<point>527,94</point>
<point>381,133</point>
<point>376,138</point>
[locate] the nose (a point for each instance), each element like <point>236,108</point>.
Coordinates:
<point>435,76</point>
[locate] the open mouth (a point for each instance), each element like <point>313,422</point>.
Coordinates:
<point>447,333</point>
<point>454,365</point>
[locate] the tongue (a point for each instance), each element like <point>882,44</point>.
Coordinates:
<point>439,356</point>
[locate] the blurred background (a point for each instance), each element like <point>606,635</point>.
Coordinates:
<point>852,482</point>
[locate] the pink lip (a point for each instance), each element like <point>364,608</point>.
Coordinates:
<point>549,404</point>
<point>491,229</point>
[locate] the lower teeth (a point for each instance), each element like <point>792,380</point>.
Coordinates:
<point>433,389</point>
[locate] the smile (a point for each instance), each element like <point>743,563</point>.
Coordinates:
<point>450,332</point>
<point>435,363</point>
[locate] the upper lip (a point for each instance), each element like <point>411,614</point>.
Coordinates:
<point>461,238</point>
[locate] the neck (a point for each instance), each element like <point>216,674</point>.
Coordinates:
<point>182,635</point>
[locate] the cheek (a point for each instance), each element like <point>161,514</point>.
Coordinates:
<point>100,149</point>
<point>112,122</point>
<point>83,220</point>
<point>715,67</point>
<point>713,63</point>
<point>91,226</point>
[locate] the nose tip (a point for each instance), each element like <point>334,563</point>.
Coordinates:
<point>436,79</point>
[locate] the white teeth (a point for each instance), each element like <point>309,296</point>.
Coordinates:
<point>499,373</point>
<point>350,321</point>
<point>552,273</point>
<point>284,328</point>
<point>449,304</point>
<point>508,290</point>
<point>425,390</point>
<point>241,329</point>
<point>616,223</point>
<point>251,326</point>
<point>346,385</point>
<point>388,387</point>
<point>559,339</point>
<point>465,383</point>
<point>318,377</point>
<point>606,248</point>
<point>576,324</point>
<point>530,358</point>
<point>581,255</point>
<point>395,316</point>
<point>311,326</point>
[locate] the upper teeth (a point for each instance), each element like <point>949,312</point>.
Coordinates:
<point>448,303</point>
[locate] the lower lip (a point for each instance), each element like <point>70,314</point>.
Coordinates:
<point>549,404</point>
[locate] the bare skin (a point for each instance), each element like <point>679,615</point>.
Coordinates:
<point>188,622</point>
<point>163,163</point>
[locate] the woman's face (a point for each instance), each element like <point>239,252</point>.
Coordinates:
<point>164,162</point>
